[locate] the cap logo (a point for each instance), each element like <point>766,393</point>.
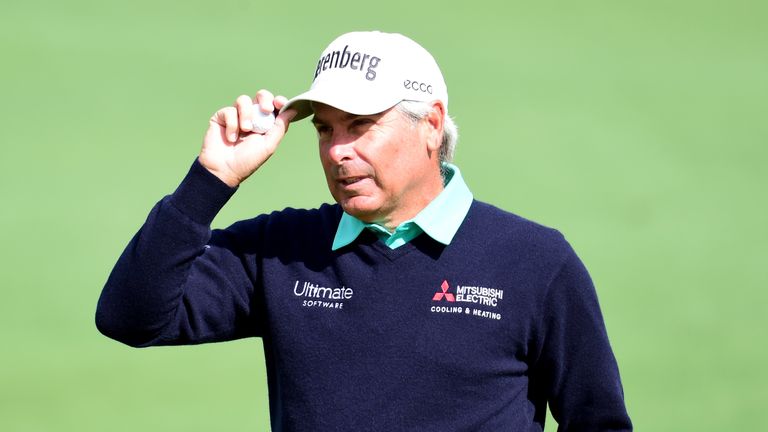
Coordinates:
<point>354,60</point>
<point>418,86</point>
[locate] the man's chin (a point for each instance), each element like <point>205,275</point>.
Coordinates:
<point>362,207</point>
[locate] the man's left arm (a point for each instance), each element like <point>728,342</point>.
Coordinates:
<point>576,365</point>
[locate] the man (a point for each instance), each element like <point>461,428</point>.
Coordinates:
<point>405,306</point>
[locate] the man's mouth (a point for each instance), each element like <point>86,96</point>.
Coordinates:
<point>346,181</point>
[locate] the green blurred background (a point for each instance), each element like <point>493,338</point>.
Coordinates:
<point>636,128</point>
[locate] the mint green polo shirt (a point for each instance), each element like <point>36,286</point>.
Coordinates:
<point>440,219</point>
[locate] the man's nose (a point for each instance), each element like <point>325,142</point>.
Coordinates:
<point>341,149</point>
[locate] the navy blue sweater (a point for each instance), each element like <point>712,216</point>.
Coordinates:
<point>476,336</point>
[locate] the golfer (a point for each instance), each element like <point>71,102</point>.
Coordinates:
<point>405,306</point>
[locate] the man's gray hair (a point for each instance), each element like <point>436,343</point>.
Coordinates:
<point>415,111</point>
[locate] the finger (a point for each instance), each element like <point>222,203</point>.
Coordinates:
<point>227,117</point>
<point>282,122</point>
<point>280,102</point>
<point>265,100</point>
<point>244,107</point>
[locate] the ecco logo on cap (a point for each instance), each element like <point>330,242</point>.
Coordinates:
<point>417,86</point>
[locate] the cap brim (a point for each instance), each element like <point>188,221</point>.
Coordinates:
<point>357,104</point>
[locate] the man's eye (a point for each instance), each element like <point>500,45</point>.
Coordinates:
<point>361,122</point>
<point>323,130</point>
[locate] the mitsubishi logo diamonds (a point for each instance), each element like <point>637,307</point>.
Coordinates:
<point>444,293</point>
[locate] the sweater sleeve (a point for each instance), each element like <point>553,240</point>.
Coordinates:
<point>576,365</point>
<point>177,282</point>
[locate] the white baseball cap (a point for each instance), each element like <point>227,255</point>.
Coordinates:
<point>369,72</point>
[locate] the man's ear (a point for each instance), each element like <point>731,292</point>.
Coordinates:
<point>435,120</point>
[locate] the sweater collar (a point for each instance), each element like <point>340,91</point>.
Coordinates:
<point>440,219</point>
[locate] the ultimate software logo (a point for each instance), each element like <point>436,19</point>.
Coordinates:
<point>444,293</point>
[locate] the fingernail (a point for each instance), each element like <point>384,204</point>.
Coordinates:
<point>247,124</point>
<point>233,137</point>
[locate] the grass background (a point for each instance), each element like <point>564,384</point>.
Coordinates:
<point>638,129</point>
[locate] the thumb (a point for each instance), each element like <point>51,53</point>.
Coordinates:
<point>282,121</point>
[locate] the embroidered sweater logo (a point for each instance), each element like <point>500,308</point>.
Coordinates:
<point>476,300</point>
<point>444,293</point>
<point>315,295</point>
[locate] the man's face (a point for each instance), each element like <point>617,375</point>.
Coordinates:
<point>378,167</point>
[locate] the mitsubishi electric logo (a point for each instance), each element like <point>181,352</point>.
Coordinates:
<point>444,293</point>
<point>477,296</point>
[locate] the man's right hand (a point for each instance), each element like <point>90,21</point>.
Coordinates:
<point>231,150</point>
